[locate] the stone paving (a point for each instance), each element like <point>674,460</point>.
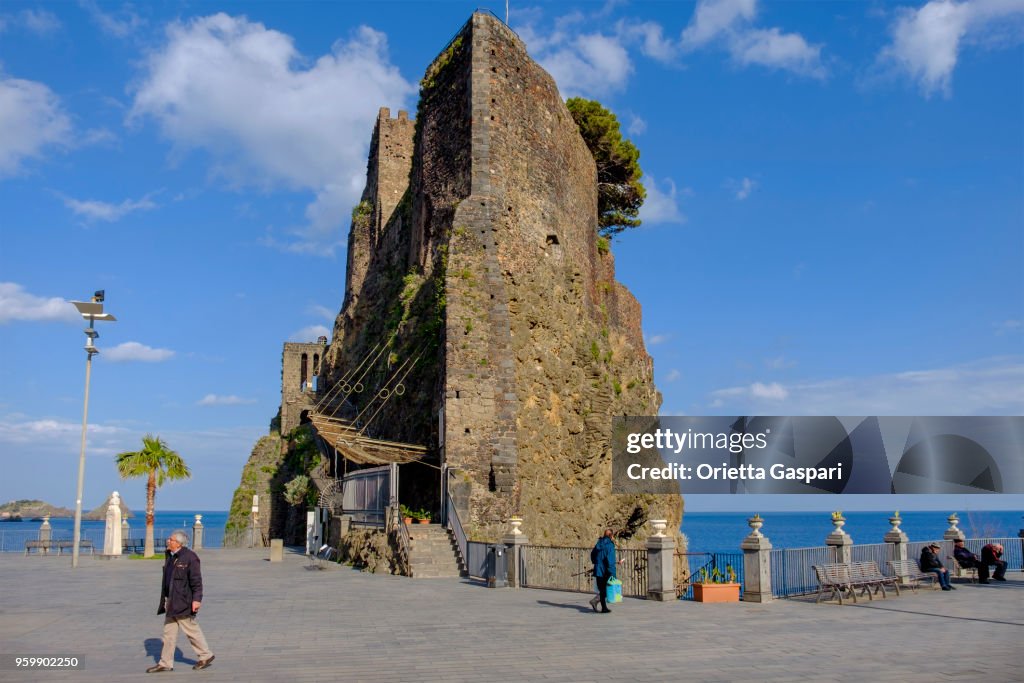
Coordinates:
<point>284,621</point>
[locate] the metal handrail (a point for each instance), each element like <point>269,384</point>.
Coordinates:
<point>402,534</point>
<point>455,524</point>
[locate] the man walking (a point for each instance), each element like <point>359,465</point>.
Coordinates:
<point>181,595</point>
<point>603,557</point>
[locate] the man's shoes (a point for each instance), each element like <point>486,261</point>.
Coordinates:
<point>158,668</point>
<point>999,578</point>
<point>952,588</point>
<point>947,588</point>
<point>985,581</point>
<point>606,611</point>
<point>203,663</point>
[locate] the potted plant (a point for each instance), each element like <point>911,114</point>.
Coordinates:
<point>422,516</point>
<point>716,585</point>
<point>407,514</point>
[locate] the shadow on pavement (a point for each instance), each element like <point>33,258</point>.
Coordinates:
<point>578,608</point>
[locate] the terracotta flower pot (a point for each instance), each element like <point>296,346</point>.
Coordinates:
<point>407,520</point>
<point>425,521</point>
<point>716,592</point>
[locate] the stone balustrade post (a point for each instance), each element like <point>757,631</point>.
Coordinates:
<point>45,533</point>
<point>276,550</point>
<point>951,534</point>
<point>898,540</point>
<point>197,533</point>
<point>661,557</point>
<point>757,564</point>
<point>840,540</point>
<point>515,540</point>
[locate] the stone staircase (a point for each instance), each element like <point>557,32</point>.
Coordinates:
<point>433,552</point>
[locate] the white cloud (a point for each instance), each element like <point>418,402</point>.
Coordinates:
<point>120,24</point>
<point>134,351</point>
<point>712,18</point>
<point>673,375</point>
<point>31,120</point>
<point>926,41</point>
<point>661,205</point>
<point>240,91</point>
<point>52,435</point>
<point>215,400</point>
<point>38,21</point>
<point>95,210</point>
<point>744,188</point>
<point>656,339</point>
<point>729,22</point>
<point>588,64</point>
<point>988,387</point>
<point>637,126</point>
<point>322,312</point>
<point>651,39</point>
<point>1009,326</point>
<point>17,304</point>
<point>779,363</point>
<point>309,334</point>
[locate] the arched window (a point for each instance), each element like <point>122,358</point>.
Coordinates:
<point>303,369</point>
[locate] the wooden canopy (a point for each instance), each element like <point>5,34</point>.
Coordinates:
<point>360,449</point>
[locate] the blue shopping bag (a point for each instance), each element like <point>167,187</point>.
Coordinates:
<point>614,592</point>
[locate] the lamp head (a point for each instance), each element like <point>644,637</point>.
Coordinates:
<point>98,297</point>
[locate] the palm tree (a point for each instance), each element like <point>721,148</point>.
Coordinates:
<point>158,463</point>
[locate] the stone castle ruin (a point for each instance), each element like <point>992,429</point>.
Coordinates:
<point>482,329</point>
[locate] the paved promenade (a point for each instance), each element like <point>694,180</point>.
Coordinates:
<point>284,622</point>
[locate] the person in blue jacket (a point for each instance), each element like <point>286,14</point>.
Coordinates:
<point>603,557</point>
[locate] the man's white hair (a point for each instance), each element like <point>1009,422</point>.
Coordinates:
<point>180,536</point>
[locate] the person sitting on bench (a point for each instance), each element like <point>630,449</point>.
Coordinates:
<point>990,555</point>
<point>930,562</point>
<point>968,560</point>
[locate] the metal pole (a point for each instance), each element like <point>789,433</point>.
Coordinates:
<point>81,461</point>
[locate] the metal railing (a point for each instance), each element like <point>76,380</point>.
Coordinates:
<point>570,569</point>
<point>558,568</point>
<point>694,563</point>
<point>793,569</point>
<point>476,559</point>
<point>632,571</point>
<point>13,540</point>
<point>397,523</point>
<point>453,522</point>
<point>879,553</point>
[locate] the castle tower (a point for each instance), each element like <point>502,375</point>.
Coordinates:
<point>487,278</point>
<point>300,380</point>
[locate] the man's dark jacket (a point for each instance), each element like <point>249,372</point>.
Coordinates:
<point>183,583</point>
<point>929,560</point>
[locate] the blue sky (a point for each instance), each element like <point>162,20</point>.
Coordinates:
<point>835,220</point>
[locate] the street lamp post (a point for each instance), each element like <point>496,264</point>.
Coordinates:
<point>92,311</point>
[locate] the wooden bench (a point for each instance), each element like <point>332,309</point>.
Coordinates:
<point>70,545</point>
<point>910,572</point>
<point>834,578</point>
<point>42,546</point>
<point>868,576</point>
<point>138,545</point>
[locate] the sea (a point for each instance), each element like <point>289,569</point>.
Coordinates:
<point>722,532</point>
<point>706,531</point>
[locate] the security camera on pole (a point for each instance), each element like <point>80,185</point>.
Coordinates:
<point>92,311</point>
